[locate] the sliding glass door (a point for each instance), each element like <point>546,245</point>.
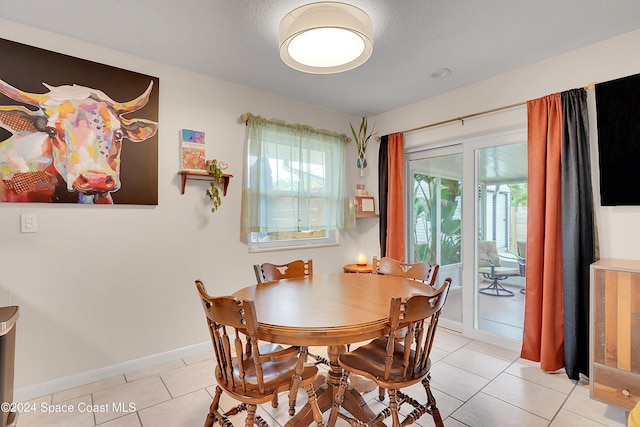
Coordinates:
<point>461,198</point>
<point>501,175</point>
<point>435,224</point>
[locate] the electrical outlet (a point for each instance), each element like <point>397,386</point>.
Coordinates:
<point>29,223</point>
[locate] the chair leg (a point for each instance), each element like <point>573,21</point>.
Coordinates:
<point>313,402</point>
<point>381,393</point>
<point>433,409</point>
<point>251,415</point>
<point>339,397</point>
<point>393,406</point>
<point>293,394</point>
<point>319,360</point>
<point>210,420</point>
<point>295,381</point>
<point>496,289</point>
<point>260,422</point>
<point>213,408</point>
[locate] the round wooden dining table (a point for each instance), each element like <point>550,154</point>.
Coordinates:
<point>330,310</point>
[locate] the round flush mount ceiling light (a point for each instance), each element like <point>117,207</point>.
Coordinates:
<point>325,38</point>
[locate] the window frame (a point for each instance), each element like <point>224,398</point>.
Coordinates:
<point>291,236</point>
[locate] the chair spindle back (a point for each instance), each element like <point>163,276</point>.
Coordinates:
<point>419,314</point>
<point>420,271</point>
<point>268,272</point>
<point>227,312</point>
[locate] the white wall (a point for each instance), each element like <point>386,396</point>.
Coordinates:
<point>619,227</point>
<point>100,287</point>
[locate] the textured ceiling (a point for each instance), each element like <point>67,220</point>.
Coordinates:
<point>237,40</point>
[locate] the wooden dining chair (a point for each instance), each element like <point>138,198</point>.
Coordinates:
<point>242,370</point>
<point>268,272</point>
<point>396,363</point>
<point>419,271</point>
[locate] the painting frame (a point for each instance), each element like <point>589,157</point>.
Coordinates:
<point>30,68</point>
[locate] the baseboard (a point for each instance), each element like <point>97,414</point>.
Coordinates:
<point>60,384</point>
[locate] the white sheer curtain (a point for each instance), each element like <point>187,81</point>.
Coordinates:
<point>293,178</point>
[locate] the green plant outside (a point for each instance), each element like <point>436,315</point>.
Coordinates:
<point>518,194</point>
<point>425,210</point>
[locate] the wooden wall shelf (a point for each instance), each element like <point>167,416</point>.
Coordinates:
<point>204,176</point>
<point>365,207</point>
<point>366,215</point>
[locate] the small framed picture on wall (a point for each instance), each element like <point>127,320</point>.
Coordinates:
<point>365,206</point>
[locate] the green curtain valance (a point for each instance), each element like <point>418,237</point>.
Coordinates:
<point>258,120</point>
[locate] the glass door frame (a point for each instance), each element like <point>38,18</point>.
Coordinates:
<point>470,226</point>
<point>469,147</point>
<point>441,150</point>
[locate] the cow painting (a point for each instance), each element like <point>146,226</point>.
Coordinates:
<point>70,135</point>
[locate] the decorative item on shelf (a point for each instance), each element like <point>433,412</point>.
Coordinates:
<point>362,259</point>
<point>364,203</point>
<point>365,207</point>
<point>216,169</point>
<point>362,139</point>
<point>192,150</point>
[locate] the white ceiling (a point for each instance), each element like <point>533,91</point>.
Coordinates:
<point>503,164</point>
<point>237,40</point>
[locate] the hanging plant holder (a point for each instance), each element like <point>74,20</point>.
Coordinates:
<point>362,139</point>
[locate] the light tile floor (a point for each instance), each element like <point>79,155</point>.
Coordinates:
<point>475,384</point>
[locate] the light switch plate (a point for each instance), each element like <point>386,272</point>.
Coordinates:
<point>29,223</point>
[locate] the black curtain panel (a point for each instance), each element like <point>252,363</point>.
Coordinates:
<point>383,188</point>
<point>578,231</point>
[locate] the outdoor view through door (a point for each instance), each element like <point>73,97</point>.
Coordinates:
<point>486,297</point>
<point>436,225</point>
<point>502,235</point>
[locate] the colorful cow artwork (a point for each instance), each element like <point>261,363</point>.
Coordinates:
<point>73,134</point>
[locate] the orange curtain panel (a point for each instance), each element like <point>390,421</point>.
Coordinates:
<point>543,336</point>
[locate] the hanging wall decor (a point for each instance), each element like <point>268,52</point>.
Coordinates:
<point>76,131</point>
<point>192,150</point>
<point>362,139</point>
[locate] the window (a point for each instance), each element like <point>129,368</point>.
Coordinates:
<point>497,217</point>
<point>294,185</point>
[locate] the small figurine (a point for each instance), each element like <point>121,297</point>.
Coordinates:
<point>360,190</point>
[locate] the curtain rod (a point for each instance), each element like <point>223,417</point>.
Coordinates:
<point>590,86</point>
<point>463,118</point>
<point>244,117</point>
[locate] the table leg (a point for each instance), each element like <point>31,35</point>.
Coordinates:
<point>353,401</point>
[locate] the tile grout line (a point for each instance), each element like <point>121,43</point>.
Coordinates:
<point>563,403</point>
<point>501,400</point>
